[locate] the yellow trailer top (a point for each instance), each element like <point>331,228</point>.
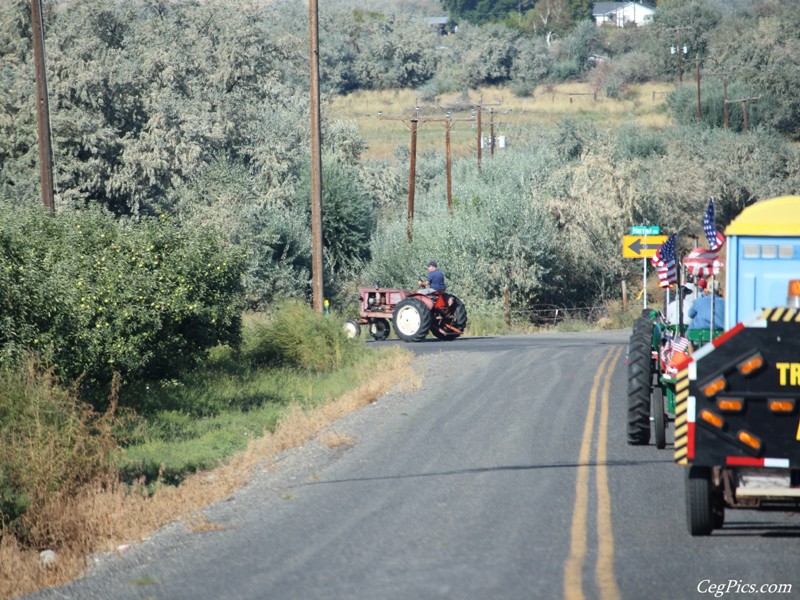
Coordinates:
<point>777,216</point>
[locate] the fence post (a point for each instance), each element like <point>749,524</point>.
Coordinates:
<point>624,295</point>
<point>508,306</point>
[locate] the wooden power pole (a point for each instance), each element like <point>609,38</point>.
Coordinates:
<point>412,170</point>
<point>316,164</point>
<point>42,107</point>
<point>478,108</point>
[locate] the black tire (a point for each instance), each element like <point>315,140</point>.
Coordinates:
<point>456,316</point>
<point>718,512</point>
<point>640,378</point>
<point>379,329</point>
<point>659,418</point>
<point>411,320</point>
<point>352,329</point>
<point>699,501</point>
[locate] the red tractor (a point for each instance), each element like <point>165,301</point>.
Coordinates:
<point>413,314</point>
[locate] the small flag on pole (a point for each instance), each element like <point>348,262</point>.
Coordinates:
<point>664,262</point>
<point>714,237</point>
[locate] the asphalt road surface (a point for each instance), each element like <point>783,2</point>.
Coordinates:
<point>505,475</point>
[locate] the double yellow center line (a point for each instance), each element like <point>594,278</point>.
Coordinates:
<point>604,567</point>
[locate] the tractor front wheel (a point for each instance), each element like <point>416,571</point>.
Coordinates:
<point>411,320</point>
<point>379,329</point>
<point>352,329</point>
<point>659,418</point>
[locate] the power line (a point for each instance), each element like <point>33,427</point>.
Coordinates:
<point>412,175</point>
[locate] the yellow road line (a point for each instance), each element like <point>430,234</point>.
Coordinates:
<point>573,569</point>
<point>604,569</point>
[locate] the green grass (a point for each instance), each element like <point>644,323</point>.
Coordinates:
<point>176,427</point>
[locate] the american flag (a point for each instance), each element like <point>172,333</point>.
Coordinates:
<point>715,238</point>
<point>672,346</point>
<point>701,262</point>
<point>680,343</point>
<point>664,262</point>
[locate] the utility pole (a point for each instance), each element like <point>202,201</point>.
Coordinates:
<point>697,66</point>
<point>412,176</point>
<point>42,108</point>
<point>725,100</point>
<point>744,102</point>
<point>724,76</point>
<point>679,50</point>
<point>316,164</point>
<point>412,170</point>
<point>478,109</point>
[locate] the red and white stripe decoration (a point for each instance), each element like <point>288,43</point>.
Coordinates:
<point>746,461</point>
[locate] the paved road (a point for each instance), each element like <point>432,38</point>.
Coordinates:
<point>506,475</point>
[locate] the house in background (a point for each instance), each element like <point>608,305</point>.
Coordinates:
<point>620,13</point>
<point>440,23</point>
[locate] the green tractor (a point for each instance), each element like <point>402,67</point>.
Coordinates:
<point>651,384</point>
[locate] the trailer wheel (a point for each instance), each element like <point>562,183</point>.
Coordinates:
<point>352,329</point>
<point>411,320</point>
<point>659,419</point>
<point>639,381</point>
<point>700,517</point>
<point>379,329</point>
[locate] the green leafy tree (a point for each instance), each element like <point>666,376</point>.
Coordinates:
<point>100,295</point>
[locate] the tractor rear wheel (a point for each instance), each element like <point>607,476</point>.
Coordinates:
<point>411,320</point>
<point>639,381</point>
<point>379,329</point>
<point>700,508</point>
<point>456,317</point>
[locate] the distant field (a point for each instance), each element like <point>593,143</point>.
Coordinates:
<point>514,117</point>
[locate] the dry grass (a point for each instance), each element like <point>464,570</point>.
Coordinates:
<point>105,516</point>
<point>332,439</point>
<point>514,117</point>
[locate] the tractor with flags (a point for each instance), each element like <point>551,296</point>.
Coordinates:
<point>657,345</point>
<point>736,399</point>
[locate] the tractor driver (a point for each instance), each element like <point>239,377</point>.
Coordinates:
<point>435,279</point>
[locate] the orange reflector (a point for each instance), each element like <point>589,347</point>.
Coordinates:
<point>752,364</point>
<point>730,404</point>
<point>715,386</point>
<point>749,439</point>
<point>712,418</point>
<point>781,406</point>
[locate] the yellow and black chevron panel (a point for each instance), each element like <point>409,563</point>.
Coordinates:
<point>681,424</point>
<point>786,315</point>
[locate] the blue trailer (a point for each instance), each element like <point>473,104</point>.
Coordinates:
<point>737,399</point>
<point>763,255</point>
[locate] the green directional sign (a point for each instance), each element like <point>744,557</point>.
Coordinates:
<point>636,246</point>
<point>645,230</point>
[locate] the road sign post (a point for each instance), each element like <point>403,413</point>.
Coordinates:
<point>640,244</point>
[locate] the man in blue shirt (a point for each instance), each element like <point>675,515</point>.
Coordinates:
<point>435,279</point>
<point>700,312</point>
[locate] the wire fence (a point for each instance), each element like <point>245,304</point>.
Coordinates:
<point>552,315</point>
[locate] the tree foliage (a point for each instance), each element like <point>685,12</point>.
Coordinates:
<point>99,295</point>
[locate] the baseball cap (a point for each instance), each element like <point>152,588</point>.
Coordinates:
<point>702,283</point>
<point>689,287</point>
<point>432,264</point>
